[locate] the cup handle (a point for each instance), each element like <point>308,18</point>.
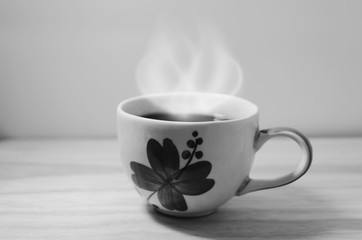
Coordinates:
<point>251,185</point>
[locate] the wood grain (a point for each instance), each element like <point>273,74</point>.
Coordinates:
<point>76,189</point>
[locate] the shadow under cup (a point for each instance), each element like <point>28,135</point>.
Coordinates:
<point>188,153</point>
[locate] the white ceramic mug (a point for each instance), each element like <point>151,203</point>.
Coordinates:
<point>191,168</point>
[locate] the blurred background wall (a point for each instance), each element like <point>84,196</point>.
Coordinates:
<point>65,65</point>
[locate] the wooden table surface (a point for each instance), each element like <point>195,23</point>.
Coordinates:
<point>77,189</point>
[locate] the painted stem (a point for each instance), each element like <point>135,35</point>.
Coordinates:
<point>149,197</point>
<point>187,164</point>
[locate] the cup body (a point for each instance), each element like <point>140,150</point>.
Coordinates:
<point>187,168</point>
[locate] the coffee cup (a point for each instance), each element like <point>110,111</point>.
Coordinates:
<point>189,153</point>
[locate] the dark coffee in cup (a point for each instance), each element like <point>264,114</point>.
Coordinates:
<point>194,117</point>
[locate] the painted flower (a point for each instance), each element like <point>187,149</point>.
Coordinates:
<point>167,179</point>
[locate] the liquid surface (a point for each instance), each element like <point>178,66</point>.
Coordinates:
<point>183,117</point>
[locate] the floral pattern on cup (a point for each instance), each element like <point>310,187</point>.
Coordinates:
<point>167,178</point>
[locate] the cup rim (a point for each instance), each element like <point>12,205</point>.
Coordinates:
<point>124,103</point>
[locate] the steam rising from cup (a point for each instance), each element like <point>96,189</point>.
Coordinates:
<point>175,64</point>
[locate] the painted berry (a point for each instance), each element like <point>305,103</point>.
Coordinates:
<point>186,154</point>
<point>198,154</point>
